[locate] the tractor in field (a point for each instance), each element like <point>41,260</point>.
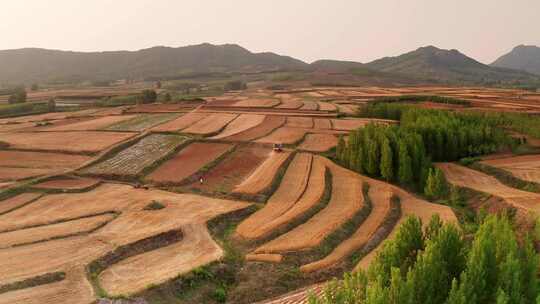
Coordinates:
<point>278,148</point>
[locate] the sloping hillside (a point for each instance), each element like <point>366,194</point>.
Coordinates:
<point>522,57</point>
<point>448,66</point>
<point>37,65</point>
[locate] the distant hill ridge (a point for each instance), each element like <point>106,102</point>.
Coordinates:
<point>522,57</point>
<point>426,64</point>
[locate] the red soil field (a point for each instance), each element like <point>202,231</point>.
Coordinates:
<point>41,159</point>
<point>269,124</point>
<point>242,123</point>
<point>349,124</point>
<point>299,122</point>
<point>263,176</point>
<point>292,187</point>
<point>93,124</point>
<point>269,258</point>
<point>255,103</point>
<point>188,162</point>
<point>180,123</point>
<point>16,126</point>
<point>84,141</point>
<point>163,108</point>
<point>284,135</point>
<point>318,142</point>
<point>290,104</point>
<point>210,124</point>
<point>68,184</point>
<point>234,168</point>
<point>17,201</point>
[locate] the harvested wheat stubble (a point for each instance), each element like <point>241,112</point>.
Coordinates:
<point>347,108</point>
<point>380,196</point>
<point>41,159</point>
<point>134,159</point>
<point>15,126</point>
<point>345,201</point>
<point>87,142</point>
<point>89,125</point>
<point>211,124</point>
<point>16,173</point>
<point>142,122</point>
<point>526,167</point>
<point>310,105</point>
<point>269,258</point>
<point>322,123</point>
<point>326,106</point>
<point>135,274</point>
<point>257,103</point>
<point>290,190</point>
<point>299,122</point>
<point>284,135</point>
<point>269,124</point>
<point>163,108</point>
<point>232,169</point>
<point>17,201</point>
<point>242,123</point>
<point>318,142</point>
<point>180,123</point>
<point>68,184</point>
<point>312,195</point>
<point>263,176</point>
<point>30,235</point>
<point>187,162</point>
<point>73,289</point>
<point>410,206</point>
<point>469,178</point>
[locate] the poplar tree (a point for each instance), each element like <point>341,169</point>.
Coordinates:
<point>387,166</point>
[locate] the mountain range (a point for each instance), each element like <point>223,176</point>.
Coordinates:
<point>424,65</point>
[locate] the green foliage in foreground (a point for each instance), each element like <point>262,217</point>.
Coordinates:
<point>23,109</point>
<point>423,98</point>
<point>439,265</point>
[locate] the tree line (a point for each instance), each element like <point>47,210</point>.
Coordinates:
<point>422,98</point>
<point>440,265</point>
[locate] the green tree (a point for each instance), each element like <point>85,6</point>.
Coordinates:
<point>387,165</point>
<point>405,174</point>
<point>148,96</point>
<point>18,96</point>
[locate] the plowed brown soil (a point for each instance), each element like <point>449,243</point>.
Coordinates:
<point>15,173</point>
<point>135,274</point>
<point>310,105</point>
<point>269,124</point>
<point>269,258</point>
<point>526,167</point>
<point>284,135</point>
<point>468,178</point>
<point>263,176</point>
<point>349,124</point>
<point>180,123</point>
<point>290,104</point>
<point>242,123</point>
<point>322,123</point>
<point>68,184</point>
<point>326,106</point>
<point>318,142</point>
<point>188,162</point>
<point>90,125</point>
<point>299,122</point>
<point>257,103</point>
<point>41,159</point>
<point>43,233</point>
<point>17,201</point>
<point>292,187</point>
<point>234,168</point>
<point>346,200</point>
<point>88,141</point>
<point>211,124</point>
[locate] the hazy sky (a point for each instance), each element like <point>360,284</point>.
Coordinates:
<point>359,30</point>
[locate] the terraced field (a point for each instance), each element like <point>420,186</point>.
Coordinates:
<point>318,142</point>
<point>133,160</point>
<point>242,123</point>
<point>284,135</point>
<point>263,176</point>
<point>93,124</point>
<point>526,167</point>
<point>180,123</point>
<point>142,122</point>
<point>210,124</point>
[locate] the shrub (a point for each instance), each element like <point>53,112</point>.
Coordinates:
<point>154,205</point>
